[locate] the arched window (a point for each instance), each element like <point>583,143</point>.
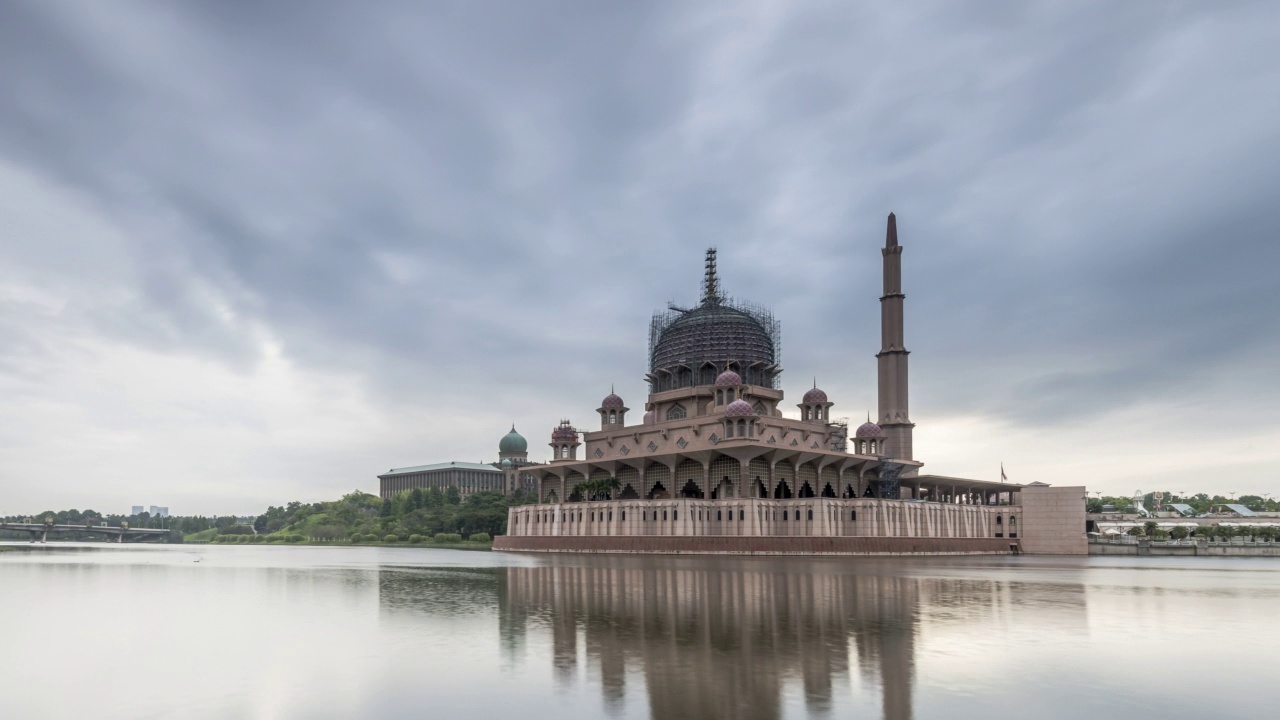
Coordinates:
<point>613,416</point>
<point>758,408</point>
<point>863,447</point>
<point>730,396</point>
<point>677,412</point>
<point>719,397</point>
<point>742,428</point>
<point>806,413</point>
<point>728,429</point>
<point>751,429</point>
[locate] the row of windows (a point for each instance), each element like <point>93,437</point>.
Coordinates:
<point>465,481</point>
<point>644,515</point>
<point>669,380</point>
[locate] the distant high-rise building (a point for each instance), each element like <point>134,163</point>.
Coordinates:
<point>137,510</point>
<point>157,511</point>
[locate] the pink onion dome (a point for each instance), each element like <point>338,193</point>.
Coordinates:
<point>816,395</point>
<point>728,377</point>
<point>612,402</point>
<point>650,417</point>
<point>739,408</point>
<point>565,432</point>
<point>868,429</point>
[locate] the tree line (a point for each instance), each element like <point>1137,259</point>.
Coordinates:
<point>356,516</point>
<point>1200,502</point>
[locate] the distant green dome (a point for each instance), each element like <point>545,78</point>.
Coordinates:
<point>506,462</point>
<point>513,442</point>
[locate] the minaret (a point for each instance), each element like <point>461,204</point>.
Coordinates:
<point>892,358</point>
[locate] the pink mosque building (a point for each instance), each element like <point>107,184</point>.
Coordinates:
<point>714,466</point>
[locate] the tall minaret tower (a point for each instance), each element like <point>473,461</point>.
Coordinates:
<point>892,358</point>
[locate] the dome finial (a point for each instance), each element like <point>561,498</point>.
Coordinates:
<point>711,283</point>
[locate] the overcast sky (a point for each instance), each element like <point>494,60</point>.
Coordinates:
<point>257,252</point>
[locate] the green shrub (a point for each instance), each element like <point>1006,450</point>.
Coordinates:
<point>356,537</point>
<point>448,537</point>
<point>416,538</point>
<point>480,537</point>
<point>390,538</point>
<point>294,538</point>
<point>259,538</point>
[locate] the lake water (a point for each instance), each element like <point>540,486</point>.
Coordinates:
<point>309,632</point>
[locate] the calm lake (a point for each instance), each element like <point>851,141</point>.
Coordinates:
<point>95,631</point>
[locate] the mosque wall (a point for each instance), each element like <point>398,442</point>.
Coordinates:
<point>749,517</point>
<point>788,545</point>
<point>1053,519</point>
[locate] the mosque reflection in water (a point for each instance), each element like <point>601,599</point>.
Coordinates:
<point>720,638</point>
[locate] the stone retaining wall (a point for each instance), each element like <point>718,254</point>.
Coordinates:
<point>795,545</point>
<point>1195,549</point>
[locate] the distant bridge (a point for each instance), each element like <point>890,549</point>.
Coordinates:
<point>40,531</point>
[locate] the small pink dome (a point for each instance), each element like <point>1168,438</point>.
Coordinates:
<point>650,417</point>
<point>612,402</point>
<point>739,408</point>
<point>868,429</point>
<point>728,377</point>
<point>815,396</point>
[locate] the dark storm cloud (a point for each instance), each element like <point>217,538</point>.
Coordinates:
<point>496,195</point>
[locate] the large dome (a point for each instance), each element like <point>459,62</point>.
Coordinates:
<point>694,346</point>
<point>713,333</point>
<point>513,442</point>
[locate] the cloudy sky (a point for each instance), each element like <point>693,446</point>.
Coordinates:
<point>256,252</point>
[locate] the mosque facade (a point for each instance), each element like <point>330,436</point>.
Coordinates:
<point>714,465</point>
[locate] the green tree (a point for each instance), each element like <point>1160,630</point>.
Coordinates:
<point>417,499</point>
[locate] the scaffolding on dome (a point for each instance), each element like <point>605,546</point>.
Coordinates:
<point>743,344</point>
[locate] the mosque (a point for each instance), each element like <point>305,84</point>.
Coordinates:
<point>714,465</point>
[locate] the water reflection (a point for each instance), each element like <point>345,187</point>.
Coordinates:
<point>721,642</point>
<point>323,633</point>
<point>709,638</point>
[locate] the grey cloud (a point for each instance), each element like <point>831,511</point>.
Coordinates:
<point>481,203</point>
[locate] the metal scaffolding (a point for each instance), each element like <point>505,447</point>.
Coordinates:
<point>692,346</point>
